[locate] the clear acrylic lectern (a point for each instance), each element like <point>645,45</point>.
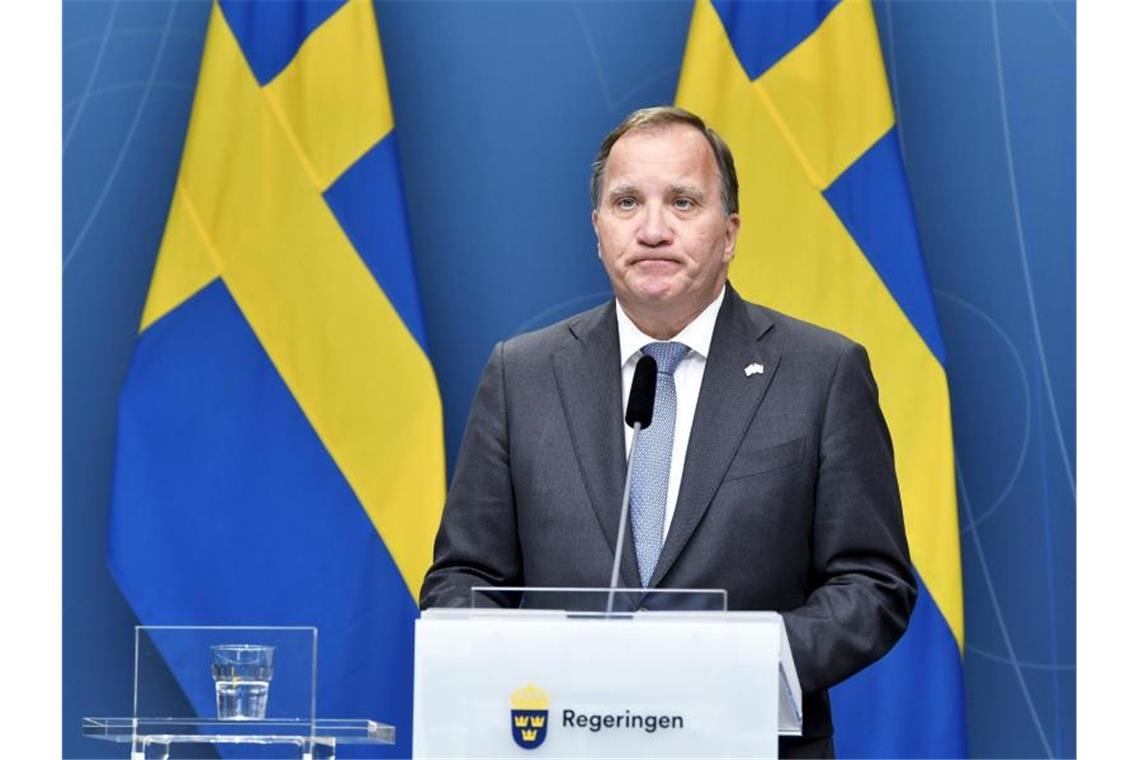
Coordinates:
<point>593,673</point>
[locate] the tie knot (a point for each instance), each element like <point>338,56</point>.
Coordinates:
<point>667,355</point>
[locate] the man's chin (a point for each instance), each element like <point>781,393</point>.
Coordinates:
<point>656,290</point>
<point>655,297</point>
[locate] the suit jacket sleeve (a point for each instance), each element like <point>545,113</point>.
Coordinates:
<point>864,589</point>
<point>477,543</point>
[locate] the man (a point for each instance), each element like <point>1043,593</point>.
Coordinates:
<point>771,474</point>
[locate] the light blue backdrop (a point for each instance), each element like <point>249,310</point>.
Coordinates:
<point>500,107</point>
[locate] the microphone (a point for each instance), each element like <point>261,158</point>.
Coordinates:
<point>642,393</point>
<point>638,415</point>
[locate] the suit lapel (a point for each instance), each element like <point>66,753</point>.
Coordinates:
<point>588,375</point>
<point>726,406</point>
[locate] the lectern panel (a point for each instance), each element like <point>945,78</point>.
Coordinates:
<point>510,683</point>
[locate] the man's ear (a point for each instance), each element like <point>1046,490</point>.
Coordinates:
<point>594,223</point>
<point>731,232</point>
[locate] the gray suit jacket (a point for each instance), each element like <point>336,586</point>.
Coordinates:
<point>788,500</point>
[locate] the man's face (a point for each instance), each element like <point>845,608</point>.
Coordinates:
<point>663,236</point>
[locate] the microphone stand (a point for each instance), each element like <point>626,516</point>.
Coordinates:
<point>622,523</point>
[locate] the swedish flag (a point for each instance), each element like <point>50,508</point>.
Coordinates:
<point>280,422</point>
<point>799,91</point>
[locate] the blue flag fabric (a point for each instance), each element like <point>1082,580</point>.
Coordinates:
<point>280,443</point>
<point>799,91</point>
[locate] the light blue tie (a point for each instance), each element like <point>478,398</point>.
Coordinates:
<point>649,480</point>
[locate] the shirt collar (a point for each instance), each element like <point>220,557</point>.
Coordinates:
<point>697,335</point>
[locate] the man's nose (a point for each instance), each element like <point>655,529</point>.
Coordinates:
<point>654,229</point>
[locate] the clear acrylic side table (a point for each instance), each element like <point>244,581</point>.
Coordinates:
<point>288,708</point>
<point>153,737</point>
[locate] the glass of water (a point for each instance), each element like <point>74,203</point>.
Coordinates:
<point>241,679</point>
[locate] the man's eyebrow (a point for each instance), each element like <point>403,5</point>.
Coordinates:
<point>620,190</point>
<point>691,191</point>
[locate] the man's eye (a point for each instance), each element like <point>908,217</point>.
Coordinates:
<point>684,204</point>
<point>626,203</point>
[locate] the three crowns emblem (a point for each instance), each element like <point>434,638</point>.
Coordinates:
<point>529,710</point>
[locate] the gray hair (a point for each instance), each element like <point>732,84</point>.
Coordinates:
<point>664,116</point>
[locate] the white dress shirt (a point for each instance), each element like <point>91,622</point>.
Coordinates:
<point>697,335</point>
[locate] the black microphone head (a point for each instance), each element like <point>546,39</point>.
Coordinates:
<point>642,393</point>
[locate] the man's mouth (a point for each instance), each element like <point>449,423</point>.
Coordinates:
<point>653,260</point>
